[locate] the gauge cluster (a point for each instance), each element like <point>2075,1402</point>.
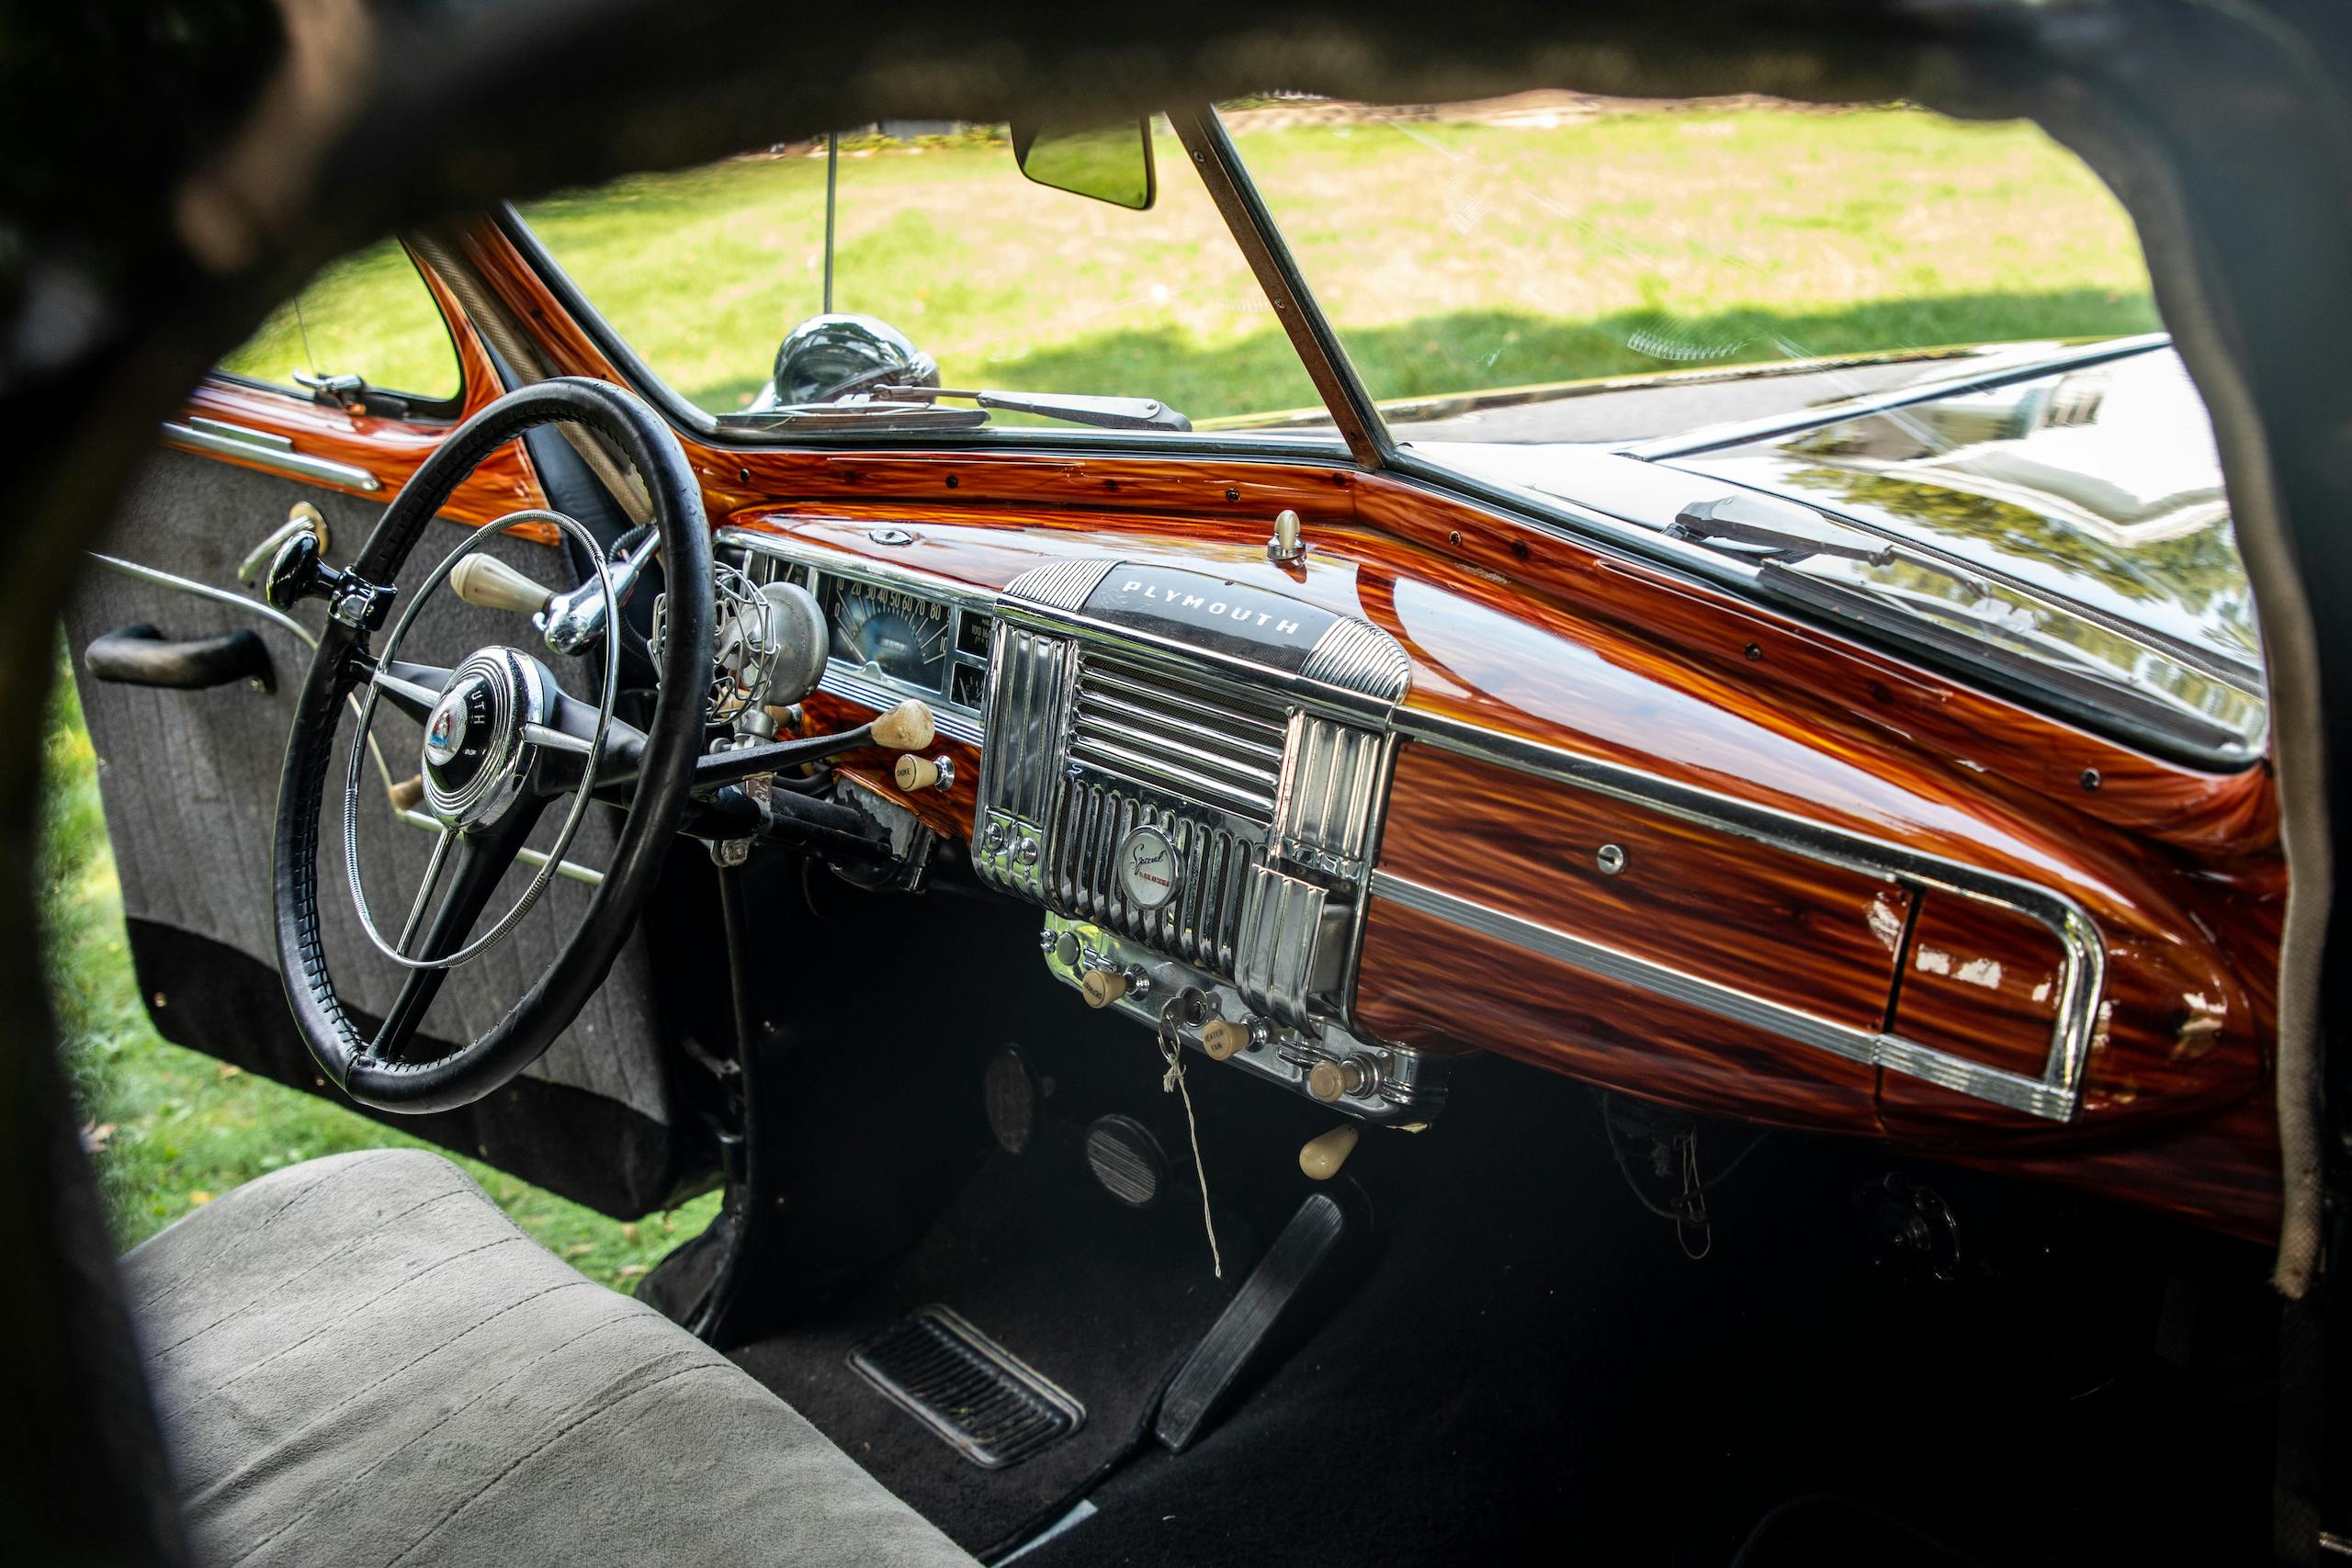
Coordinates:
<point>895,638</point>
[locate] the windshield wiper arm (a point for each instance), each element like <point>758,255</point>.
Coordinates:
<point>1107,413</point>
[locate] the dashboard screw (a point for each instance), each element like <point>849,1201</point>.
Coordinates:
<point>1753,653</point>
<point>1611,858</point>
<point>952,481</point>
<point>2090,778</point>
<point>1232,492</point>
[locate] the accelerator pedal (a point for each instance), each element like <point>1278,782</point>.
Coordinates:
<point>982,1400</point>
<point>1298,1277</point>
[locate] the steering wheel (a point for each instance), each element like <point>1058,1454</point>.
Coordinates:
<point>501,744</point>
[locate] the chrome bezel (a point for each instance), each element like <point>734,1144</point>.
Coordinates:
<point>868,685</point>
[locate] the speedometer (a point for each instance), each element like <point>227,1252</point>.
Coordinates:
<point>901,635</point>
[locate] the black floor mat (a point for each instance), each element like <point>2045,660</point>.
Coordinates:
<point>1101,1300</point>
<point>1534,1367</point>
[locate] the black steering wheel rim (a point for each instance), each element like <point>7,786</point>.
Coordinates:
<point>664,771</point>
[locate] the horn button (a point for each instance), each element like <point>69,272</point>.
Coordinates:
<point>476,760</point>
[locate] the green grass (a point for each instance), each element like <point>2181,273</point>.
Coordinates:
<point>1453,255</point>
<point>172,1130</point>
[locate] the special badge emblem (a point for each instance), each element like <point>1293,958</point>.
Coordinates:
<point>446,732</point>
<point>1146,867</point>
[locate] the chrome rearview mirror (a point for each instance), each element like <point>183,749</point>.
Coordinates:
<point>1109,163</point>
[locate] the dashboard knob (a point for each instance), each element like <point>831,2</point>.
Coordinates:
<point>906,727</point>
<point>915,773</point>
<point>1322,1157</point>
<point>1103,986</point>
<point>1329,1080</point>
<point>490,582</point>
<point>1222,1038</point>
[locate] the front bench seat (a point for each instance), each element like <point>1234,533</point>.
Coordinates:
<point>360,1361</point>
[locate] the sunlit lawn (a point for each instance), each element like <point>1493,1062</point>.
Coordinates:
<point>1454,256</point>
<point>170,1129</point>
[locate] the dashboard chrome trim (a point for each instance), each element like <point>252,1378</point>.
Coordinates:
<point>2015,1091</point>
<point>2057,1096</point>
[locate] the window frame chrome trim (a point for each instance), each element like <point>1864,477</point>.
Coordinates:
<point>2055,1096</point>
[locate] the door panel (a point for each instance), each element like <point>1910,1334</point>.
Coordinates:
<point>189,781</point>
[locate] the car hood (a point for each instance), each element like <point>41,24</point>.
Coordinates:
<point>2097,484</point>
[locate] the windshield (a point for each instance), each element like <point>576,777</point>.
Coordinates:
<point>941,245</point>
<point>1938,332</point>
<point>1481,261</point>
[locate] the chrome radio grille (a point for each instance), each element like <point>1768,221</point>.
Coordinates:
<point>1266,791</point>
<point>1177,738</point>
<point>1201,925</point>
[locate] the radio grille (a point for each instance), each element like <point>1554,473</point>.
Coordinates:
<point>1030,673</point>
<point>1175,737</point>
<point>1200,925</point>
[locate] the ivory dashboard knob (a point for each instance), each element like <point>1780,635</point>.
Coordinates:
<point>1327,1080</point>
<point>1103,986</point>
<point>1321,1158</point>
<point>1222,1038</point>
<point>492,584</point>
<point>906,727</point>
<point>915,773</point>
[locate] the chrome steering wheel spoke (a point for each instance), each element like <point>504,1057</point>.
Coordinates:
<point>570,756</point>
<point>502,740</point>
<point>413,689</point>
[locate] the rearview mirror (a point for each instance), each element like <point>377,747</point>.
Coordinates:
<point>1111,163</point>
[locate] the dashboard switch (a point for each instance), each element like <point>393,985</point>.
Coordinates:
<point>1329,1080</point>
<point>914,773</point>
<point>1103,986</point>
<point>1222,1038</point>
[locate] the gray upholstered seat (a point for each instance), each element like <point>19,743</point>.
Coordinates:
<point>360,1361</point>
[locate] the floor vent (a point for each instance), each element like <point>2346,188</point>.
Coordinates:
<point>982,1399</point>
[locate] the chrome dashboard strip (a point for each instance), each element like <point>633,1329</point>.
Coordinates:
<point>891,574</point>
<point>2057,1094</point>
<point>269,450</point>
<point>954,723</point>
<point>2012,1090</point>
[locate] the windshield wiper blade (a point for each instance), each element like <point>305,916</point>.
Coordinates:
<point>1105,413</point>
<point>1766,529</point>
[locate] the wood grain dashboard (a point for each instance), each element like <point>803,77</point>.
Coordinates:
<point>1648,834</point>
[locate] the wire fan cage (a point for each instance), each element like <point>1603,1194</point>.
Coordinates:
<point>744,652</point>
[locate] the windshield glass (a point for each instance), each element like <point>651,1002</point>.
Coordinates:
<point>1524,246</point>
<point>941,244</point>
<point>1939,331</point>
